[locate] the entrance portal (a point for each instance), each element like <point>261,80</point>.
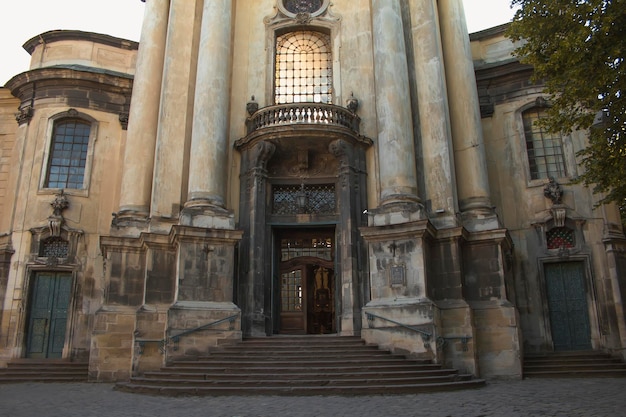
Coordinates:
<point>567,300</point>
<point>307,282</point>
<point>50,300</point>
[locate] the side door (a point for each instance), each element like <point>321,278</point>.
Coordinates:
<point>47,320</point>
<point>567,302</point>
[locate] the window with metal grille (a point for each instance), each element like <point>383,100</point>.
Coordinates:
<point>303,68</point>
<point>54,247</point>
<point>298,199</point>
<point>68,154</point>
<point>545,149</point>
<point>560,237</point>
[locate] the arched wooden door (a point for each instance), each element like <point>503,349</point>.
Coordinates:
<point>307,284</point>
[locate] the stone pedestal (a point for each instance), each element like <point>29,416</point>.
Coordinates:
<point>112,344</point>
<point>399,304</point>
<point>205,259</point>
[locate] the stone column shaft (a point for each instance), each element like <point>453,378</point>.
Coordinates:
<point>433,108</point>
<point>144,111</point>
<point>174,130</point>
<point>396,152</point>
<point>469,148</point>
<point>209,140</point>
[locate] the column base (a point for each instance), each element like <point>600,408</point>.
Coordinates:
<point>395,213</point>
<point>207,216</point>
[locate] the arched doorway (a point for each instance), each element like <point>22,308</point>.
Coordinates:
<point>305,289</point>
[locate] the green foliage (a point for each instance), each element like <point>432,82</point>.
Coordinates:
<point>577,48</point>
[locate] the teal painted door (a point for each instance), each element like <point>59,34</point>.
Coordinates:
<point>567,301</point>
<point>47,321</point>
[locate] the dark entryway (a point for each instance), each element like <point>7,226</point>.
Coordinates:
<point>306,281</point>
<point>567,301</point>
<point>47,319</point>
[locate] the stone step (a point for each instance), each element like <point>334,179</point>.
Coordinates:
<point>27,370</point>
<point>330,380</point>
<point>589,373</point>
<point>575,367</point>
<point>573,364</point>
<point>273,374</point>
<point>268,389</point>
<point>299,366</point>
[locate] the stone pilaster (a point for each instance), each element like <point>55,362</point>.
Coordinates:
<point>175,117</point>
<point>254,291</point>
<point>350,246</point>
<point>144,113</point>
<point>469,149</point>
<point>432,100</point>
<point>396,150</point>
<point>488,290</point>
<point>209,140</point>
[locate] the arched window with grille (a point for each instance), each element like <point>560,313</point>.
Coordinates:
<point>303,68</point>
<point>68,154</point>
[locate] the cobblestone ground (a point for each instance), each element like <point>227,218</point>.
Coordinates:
<point>539,397</point>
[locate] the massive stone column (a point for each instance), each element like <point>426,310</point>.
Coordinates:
<point>439,178</point>
<point>174,128</point>
<point>209,140</point>
<point>396,153</point>
<point>144,113</point>
<point>469,148</point>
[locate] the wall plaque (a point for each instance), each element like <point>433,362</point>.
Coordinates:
<point>397,275</point>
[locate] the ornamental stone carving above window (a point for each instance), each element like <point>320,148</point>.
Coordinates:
<point>301,8</point>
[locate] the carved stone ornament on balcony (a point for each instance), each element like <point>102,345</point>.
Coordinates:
<point>352,103</point>
<point>55,221</point>
<point>252,106</point>
<point>25,115</point>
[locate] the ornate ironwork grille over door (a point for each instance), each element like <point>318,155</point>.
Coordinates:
<point>299,199</point>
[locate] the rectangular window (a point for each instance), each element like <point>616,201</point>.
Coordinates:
<point>68,154</point>
<point>545,149</point>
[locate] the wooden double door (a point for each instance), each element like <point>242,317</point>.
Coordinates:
<point>48,314</point>
<point>307,283</point>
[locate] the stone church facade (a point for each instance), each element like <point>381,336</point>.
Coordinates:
<point>269,167</point>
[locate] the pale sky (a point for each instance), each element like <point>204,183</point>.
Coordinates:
<point>24,19</point>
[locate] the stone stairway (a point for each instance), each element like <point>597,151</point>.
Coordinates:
<point>325,365</point>
<point>51,370</point>
<point>588,364</point>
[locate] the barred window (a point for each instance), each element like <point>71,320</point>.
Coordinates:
<point>303,68</point>
<point>560,237</point>
<point>68,154</point>
<point>55,247</point>
<point>545,149</point>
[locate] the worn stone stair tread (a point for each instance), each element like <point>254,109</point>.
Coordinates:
<point>301,390</point>
<point>304,374</point>
<point>306,382</point>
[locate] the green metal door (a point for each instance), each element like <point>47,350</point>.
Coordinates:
<point>567,301</point>
<point>50,299</point>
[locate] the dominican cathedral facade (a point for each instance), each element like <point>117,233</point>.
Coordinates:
<point>258,168</point>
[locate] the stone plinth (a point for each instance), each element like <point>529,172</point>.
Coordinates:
<point>112,344</point>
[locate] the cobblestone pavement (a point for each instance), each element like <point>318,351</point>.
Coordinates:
<point>538,397</point>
